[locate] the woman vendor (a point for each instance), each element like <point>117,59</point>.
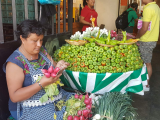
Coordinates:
<point>23,68</point>
<point>88,14</point>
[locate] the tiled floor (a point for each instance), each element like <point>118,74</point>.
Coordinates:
<point>148,106</point>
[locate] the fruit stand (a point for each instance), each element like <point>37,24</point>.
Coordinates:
<point>100,63</point>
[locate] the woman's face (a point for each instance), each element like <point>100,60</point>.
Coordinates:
<point>33,43</point>
<point>90,2</point>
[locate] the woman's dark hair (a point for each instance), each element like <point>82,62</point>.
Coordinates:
<point>29,26</point>
<point>134,5</point>
<point>84,3</point>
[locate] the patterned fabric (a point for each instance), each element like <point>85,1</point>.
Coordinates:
<point>44,112</point>
<point>36,65</point>
<point>17,59</point>
<point>146,49</point>
<point>132,81</point>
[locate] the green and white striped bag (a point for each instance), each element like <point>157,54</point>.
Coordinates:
<point>132,81</point>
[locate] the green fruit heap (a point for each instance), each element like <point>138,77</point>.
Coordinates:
<point>91,58</point>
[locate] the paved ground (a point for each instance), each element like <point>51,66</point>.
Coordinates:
<point>149,105</point>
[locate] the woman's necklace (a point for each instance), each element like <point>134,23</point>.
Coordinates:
<point>26,53</point>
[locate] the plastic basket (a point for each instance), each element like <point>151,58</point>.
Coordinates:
<point>53,2</point>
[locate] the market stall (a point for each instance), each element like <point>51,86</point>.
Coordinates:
<point>100,63</point>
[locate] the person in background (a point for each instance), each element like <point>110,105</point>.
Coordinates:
<point>88,13</point>
<point>149,34</point>
<point>132,17</point>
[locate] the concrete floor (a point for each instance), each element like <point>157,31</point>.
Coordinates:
<point>148,106</point>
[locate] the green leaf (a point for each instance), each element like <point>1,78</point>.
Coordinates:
<point>44,98</point>
<point>43,61</point>
<point>115,105</point>
<point>27,71</point>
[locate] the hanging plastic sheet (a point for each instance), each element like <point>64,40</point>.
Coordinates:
<point>53,2</point>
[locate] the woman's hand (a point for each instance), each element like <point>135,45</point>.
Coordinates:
<point>85,22</point>
<point>62,64</point>
<point>47,81</point>
<point>90,24</point>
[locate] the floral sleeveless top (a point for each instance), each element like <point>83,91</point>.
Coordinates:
<point>17,59</point>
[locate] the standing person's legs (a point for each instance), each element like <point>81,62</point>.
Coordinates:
<point>146,49</point>
<point>149,69</point>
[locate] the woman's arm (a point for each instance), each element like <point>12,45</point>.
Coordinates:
<point>15,78</point>
<point>84,22</point>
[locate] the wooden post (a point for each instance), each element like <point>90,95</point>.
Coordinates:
<point>140,7</point>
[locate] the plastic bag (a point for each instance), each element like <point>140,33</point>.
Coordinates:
<point>53,2</point>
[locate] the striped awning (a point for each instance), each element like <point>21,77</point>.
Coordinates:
<point>132,81</point>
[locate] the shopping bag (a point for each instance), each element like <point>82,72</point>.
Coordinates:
<point>53,2</point>
<point>139,25</point>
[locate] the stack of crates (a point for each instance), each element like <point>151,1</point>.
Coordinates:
<point>6,6</point>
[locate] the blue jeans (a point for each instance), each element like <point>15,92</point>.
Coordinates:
<point>14,114</point>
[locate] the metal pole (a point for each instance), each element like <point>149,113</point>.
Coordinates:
<point>36,9</point>
<point>40,13</point>
<point>14,18</point>
<point>26,8</point>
